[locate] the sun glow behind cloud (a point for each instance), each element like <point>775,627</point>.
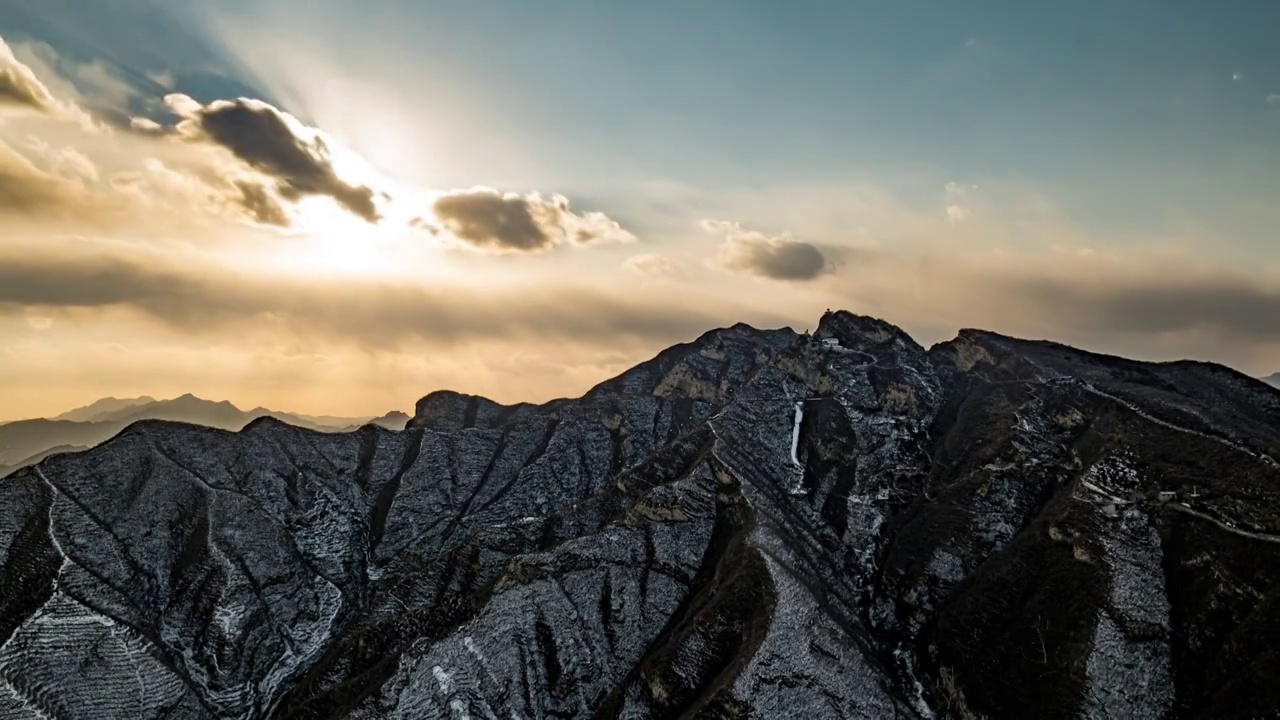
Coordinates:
<point>336,243</point>
<point>324,76</point>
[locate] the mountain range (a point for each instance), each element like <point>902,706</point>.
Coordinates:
<point>757,523</point>
<point>25,442</point>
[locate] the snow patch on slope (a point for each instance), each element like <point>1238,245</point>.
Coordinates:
<point>795,434</point>
<point>1129,670</point>
<point>803,641</point>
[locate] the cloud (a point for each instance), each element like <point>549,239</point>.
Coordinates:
<point>1147,302</point>
<point>369,314</point>
<point>247,156</point>
<point>1238,308</point>
<point>96,84</point>
<point>509,222</point>
<point>1093,298</point>
<point>60,188</point>
<point>1237,76</point>
<point>275,144</point>
<point>67,163</point>
<point>650,264</point>
<point>1273,99</point>
<point>19,86</point>
<point>22,89</point>
<point>27,190</point>
<point>162,78</point>
<point>775,258</point>
<point>261,205</point>
<point>187,190</point>
<point>958,198</point>
<point>420,223</point>
<point>39,323</point>
<point>147,126</point>
<point>178,199</point>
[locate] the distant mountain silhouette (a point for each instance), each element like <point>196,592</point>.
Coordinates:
<point>197,411</point>
<point>394,420</point>
<point>24,439</point>
<point>334,421</point>
<point>96,410</point>
<point>1273,379</point>
<point>25,442</point>
<point>32,460</point>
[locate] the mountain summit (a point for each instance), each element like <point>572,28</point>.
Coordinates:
<point>755,524</point>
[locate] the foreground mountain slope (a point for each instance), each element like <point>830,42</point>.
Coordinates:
<point>752,524</point>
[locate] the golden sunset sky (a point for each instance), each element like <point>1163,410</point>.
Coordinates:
<point>338,207</point>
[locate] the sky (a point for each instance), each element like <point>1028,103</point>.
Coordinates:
<point>329,206</point>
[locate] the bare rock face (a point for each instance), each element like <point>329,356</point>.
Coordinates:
<point>755,524</point>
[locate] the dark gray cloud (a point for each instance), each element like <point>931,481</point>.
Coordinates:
<point>261,136</point>
<point>1237,308</point>
<point>261,206</point>
<point>498,222</point>
<point>420,223</point>
<point>509,222</point>
<point>19,86</point>
<point>775,258</point>
<point>85,282</point>
<point>370,314</point>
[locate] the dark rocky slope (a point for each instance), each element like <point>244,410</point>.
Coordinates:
<point>755,524</point>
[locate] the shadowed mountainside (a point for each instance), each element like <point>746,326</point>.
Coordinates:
<point>754,524</point>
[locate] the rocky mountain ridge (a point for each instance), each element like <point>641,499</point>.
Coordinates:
<point>753,524</point>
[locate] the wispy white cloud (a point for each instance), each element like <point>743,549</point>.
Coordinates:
<point>65,162</point>
<point>958,199</point>
<point>651,264</point>
<point>23,91</point>
<point>95,81</point>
